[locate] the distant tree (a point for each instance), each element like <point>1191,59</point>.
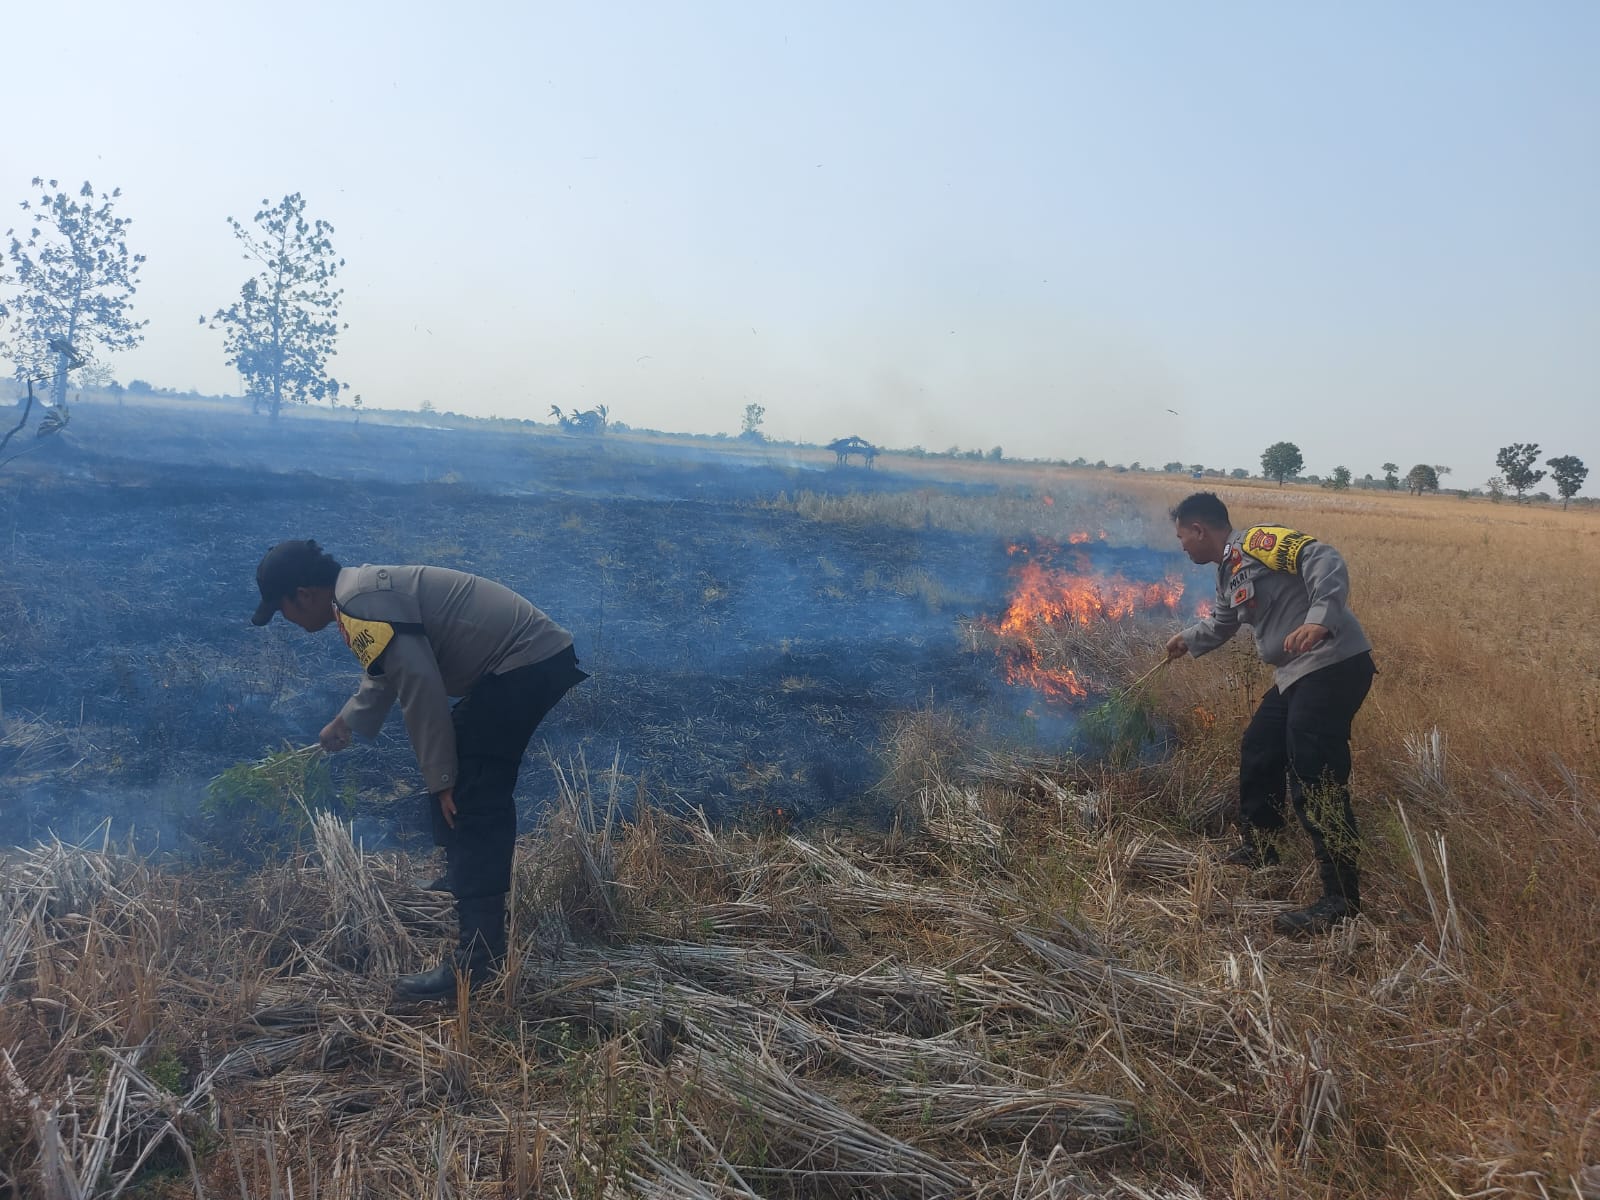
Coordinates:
<point>1440,470</point>
<point>754,414</point>
<point>1422,478</point>
<point>1339,481</point>
<point>995,454</point>
<point>592,421</point>
<point>1197,468</point>
<point>95,377</point>
<point>1134,466</point>
<point>426,406</point>
<point>1238,473</point>
<point>1175,467</point>
<point>76,280</point>
<point>1391,479</point>
<point>1496,487</point>
<point>355,403</point>
<point>1516,466</point>
<point>1281,461</point>
<point>282,330</point>
<point>1568,472</point>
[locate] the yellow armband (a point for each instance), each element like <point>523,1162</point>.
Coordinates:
<point>369,639</point>
<point>1276,547</point>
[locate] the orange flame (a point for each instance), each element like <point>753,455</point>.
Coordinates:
<point>1023,669</point>
<point>1045,595</point>
<point>1048,595</point>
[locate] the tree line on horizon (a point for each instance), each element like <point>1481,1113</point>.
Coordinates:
<point>74,279</point>
<point>1282,461</point>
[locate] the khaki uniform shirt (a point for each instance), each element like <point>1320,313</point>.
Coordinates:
<point>424,634</point>
<point>1274,580</point>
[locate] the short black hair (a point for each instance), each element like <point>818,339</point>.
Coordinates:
<point>1203,507</point>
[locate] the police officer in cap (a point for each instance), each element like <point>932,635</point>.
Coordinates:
<point>1294,594</point>
<point>423,635</point>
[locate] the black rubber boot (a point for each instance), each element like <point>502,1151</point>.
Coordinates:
<point>1341,900</point>
<point>1343,880</point>
<point>1253,852</point>
<point>480,950</point>
<point>1319,918</point>
<point>438,984</point>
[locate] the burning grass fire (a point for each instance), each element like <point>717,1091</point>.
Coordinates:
<point>1039,637</point>
<point>1040,981</point>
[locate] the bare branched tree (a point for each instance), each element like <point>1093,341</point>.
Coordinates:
<point>76,279</point>
<point>282,330</point>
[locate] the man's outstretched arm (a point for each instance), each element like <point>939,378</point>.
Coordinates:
<point>1206,634</point>
<point>363,713</point>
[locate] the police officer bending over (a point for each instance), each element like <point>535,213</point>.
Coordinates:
<point>1292,591</point>
<point>423,635</point>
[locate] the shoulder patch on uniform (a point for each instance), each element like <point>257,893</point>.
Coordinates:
<point>367,639</point>
<point>1275,546</point>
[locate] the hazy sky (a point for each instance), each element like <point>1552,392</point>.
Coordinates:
<point>1368,228</point>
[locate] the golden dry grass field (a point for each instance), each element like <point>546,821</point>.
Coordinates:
<point>1039,983</point>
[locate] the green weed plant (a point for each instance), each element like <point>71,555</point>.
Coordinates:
<point>1118,729</point>
<point>256,810</point>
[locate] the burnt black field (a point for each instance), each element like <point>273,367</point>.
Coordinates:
<point>745,658</point>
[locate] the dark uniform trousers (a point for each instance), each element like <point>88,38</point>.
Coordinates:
<point>1302,737</point>
<point>493,724</point>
